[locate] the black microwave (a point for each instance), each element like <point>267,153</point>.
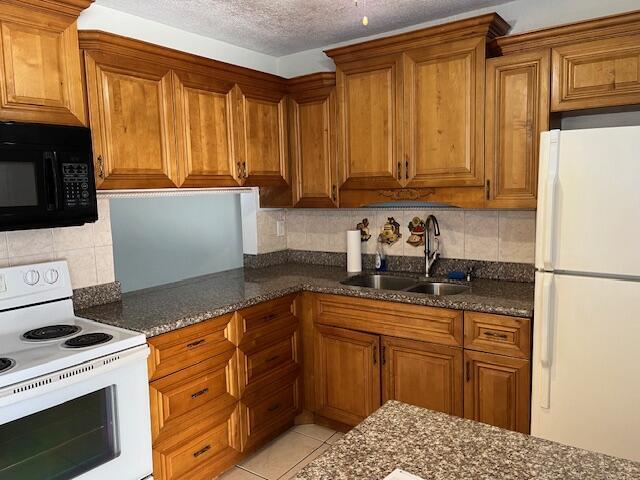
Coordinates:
<point>46,176</point>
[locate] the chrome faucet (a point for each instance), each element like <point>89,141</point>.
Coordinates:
<point>430,256</point>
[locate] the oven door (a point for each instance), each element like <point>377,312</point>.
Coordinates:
<point>88,422</point>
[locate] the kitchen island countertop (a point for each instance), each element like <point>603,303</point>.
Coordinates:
<point>436,446</point>
<point>165,308</point>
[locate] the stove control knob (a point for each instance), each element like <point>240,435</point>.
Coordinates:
<point>31,277</point>
<point>51,276</point>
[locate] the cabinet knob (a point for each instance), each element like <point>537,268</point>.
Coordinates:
<point>334,193</point>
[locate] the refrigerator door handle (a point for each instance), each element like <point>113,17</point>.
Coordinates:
<point>549,202</point>
<point>546,341</point>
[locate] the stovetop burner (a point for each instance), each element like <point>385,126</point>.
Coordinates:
<point>50,332</point>
<point>88,340</point>
<point>6,364</point>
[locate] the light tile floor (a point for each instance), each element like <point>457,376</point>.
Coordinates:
<point>285,456</point>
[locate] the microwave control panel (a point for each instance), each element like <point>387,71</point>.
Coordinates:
<point>75,178</point>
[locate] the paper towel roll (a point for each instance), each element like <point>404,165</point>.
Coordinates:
<point>354,251</point>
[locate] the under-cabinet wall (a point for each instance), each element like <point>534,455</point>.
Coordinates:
<point>88,249</point>
<point>492,235</point>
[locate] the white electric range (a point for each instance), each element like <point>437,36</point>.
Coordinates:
<point>74,400</point>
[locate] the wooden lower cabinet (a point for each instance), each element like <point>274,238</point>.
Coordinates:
<point>422,374</point>
<point>222,388</point>
<point>347,372</point>
<point>366,352</point>
<point>497,390</point>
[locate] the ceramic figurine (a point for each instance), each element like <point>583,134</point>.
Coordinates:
<point>363,226</point>
<point>417,229</point>
<point>390,232</point>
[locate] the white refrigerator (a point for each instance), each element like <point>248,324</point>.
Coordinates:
<point>586,349</point>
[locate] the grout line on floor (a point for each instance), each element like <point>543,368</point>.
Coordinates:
<point>309,436</point>
<point>314,451</point>
<point>252,473</point>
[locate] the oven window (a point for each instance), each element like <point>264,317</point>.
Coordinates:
<point>18,184</point>
<point>61,442</point>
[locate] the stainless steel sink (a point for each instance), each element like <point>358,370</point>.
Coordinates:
<point>382,282</point>
<point>390,282</point>
<point>439,288</point>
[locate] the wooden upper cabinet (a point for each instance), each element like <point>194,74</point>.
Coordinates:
<point>41,79</point>
<point>132,122</point>
<point>262,136</point>
<point>443,114</point>
<point>205,131</point>
<point>370,107</point>
<point>517,110</point>
<point>497,390</point>
<point>313,142</point>
<point>422,374</point>
<point>599,73</point>
<point>347,374</point>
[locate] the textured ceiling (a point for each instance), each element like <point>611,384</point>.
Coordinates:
<point>281,27</point>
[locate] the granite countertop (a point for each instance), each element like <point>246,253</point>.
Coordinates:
<point>162,309</point>
<point>436,446</point>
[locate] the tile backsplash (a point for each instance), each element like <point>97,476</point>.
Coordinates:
<point>268,239</point>
<point>88,249</point>
<point>493,235</point>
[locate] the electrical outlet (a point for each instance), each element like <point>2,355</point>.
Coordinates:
<point>280,228</point>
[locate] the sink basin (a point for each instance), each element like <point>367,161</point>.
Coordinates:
<point>382,282</point>
<point>439,288</point>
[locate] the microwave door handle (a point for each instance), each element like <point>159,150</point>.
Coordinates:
<point>51,180</point>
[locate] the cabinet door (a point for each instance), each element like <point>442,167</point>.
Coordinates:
<point>313,149</point>
<point>497,390</point>
<point>444,121</point>
<point>369,109</point>
<point>601,73</point>
<point>347,374</point>
<point>132,123</point>
<point>422,374</point>
<point>204,131</point>
<point>262,137</point>
<point>41,77</point>
<point>517,110</point>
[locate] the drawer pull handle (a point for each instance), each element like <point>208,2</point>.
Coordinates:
<point>271,359</point>
<point>468,371</point>
<point>204,449</point>
<point>375,355</point>
<point>196,343</point>
<point>271,316</point>
<point>496,335</point>
<point>273,408</point>
<point>200,392</point>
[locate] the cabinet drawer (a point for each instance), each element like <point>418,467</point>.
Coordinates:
<point>258,366</point>
<point>185,396</point>
<point>200,456</point>
<point>414,322</point>
<point>257,323</point>
<point>497,334</point>
<point>265,414</point>
<point>187,346</point>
